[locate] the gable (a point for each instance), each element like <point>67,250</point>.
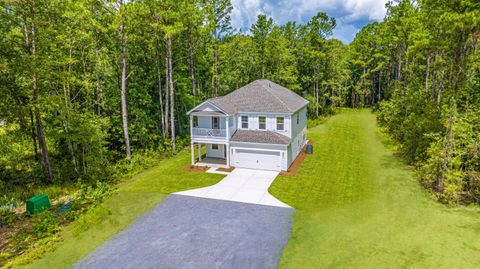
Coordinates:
<point>206,108</point>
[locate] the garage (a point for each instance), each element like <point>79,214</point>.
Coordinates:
<point>258,159</point>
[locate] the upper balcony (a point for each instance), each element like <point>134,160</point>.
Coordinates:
<point>209,133</point>
<point>209,122</point>
<point>212,127</point>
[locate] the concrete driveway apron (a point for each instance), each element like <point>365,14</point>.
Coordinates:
<point>241,185</point>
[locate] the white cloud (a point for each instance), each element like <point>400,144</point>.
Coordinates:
<point>345,32</point>
<point>349,13</point>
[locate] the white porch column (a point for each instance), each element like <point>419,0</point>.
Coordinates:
<point>193,152</point>
<point>227,128</point>
<point>191,125</point>
<point>199,152</point>
<point>227,148</point>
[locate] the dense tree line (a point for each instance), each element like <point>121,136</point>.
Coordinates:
<point>421,68</point>
<point>85,84</point>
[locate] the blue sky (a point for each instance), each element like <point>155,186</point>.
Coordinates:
<point>351,15</point>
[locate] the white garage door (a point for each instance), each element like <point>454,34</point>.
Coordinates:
<point>257,159</point>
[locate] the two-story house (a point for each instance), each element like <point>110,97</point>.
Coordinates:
<point>261,126</point>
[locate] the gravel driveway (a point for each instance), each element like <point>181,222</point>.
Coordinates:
<point>193,232</point>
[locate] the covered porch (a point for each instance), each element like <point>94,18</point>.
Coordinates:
<point>207,122</point>
<point>210,154</point>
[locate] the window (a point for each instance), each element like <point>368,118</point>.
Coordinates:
<point>215,123</point>
<point>195,121</point>
<point>280,124</point>
<point>298,118</point>
<point>244,122</point>
<point>262,122</point>
<point>215,146</point>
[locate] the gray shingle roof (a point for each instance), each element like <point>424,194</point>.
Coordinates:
<point>267,137</point>
<point>260,96</point>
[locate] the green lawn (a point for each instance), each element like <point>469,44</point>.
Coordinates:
<point>359,206</point>
<point>133,198</point>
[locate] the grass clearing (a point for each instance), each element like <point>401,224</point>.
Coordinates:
<point>133,198</point>
<point>359,206</point>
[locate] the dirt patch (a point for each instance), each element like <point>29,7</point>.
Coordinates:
<point>9,246</point>
<point>193,168</point>
<point>293,169</point>
<point>226,169</point>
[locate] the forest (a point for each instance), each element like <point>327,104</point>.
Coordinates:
<point>92,91</point>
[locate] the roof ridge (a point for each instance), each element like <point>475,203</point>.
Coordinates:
<point>268,89</point>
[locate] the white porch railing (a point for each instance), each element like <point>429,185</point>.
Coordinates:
<point>205,132</point>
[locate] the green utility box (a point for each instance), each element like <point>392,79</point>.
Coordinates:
<point>38,204</point>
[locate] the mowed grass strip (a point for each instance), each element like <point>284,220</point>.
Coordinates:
<point>133,198</point>
<point>359,206</point>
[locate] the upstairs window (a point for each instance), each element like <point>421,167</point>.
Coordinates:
<point>244,122</point>
<point>262,122</point>
<point>195,121</point>
<point>280,124</point>
<point>298,118</point>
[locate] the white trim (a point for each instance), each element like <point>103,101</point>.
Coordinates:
<point>192,144</point>
<point>205,102</point>
<point>191,126</point>
<point>199,152</point>
<point>265,113</point>
<point>241,142</point>
<point>259,149</point>
<point>224,142</point>
<point>206,140</point>
<point>227,127</point>
<point>272,113</point>
<point>227,154</point>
